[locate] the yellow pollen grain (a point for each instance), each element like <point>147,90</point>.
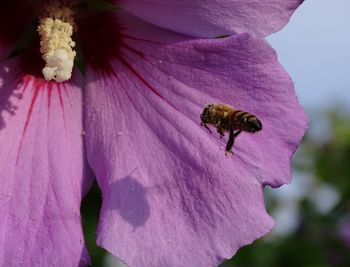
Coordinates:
<point>55,28</point>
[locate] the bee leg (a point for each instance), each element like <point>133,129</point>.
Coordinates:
<point>221,132</point>
<point>237,133</point>
<point>231,140</point>
<point>219,128</point>
<point>203,124</point>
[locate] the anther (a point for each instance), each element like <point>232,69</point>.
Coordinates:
<point>56,45</point>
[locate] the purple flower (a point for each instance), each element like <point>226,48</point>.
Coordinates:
<point>170,195</point>
<point>344,232</point>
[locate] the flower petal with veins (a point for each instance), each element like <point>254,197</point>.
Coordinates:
<point>170,196</point>
<point>41,172</point>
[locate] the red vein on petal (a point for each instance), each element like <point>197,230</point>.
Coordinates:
<point>36,88</point>
<point>128,65</point>
<point>65,90</point>
<point>62,106</point>
<point>26,79</point>
<point>49,93</point>
<point>60,98</point>
<point>137,52</point>
<point>140,39</point>
<point>138,75</point>
<point>49,88</point>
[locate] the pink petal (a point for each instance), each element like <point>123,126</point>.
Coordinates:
<point>209,18</point>
<point>170,196</point>
<point>41,172</point>
<point>241,71</point>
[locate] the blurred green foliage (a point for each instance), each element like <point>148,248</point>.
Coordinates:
<point>90,211</point>
<point>317,241</point>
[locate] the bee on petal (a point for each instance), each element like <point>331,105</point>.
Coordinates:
<point>228,119</point>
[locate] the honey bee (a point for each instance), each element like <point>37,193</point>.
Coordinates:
<point>228,119</point>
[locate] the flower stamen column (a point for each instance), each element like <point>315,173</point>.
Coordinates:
<point>55,28</point>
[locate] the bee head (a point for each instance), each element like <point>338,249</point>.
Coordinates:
<point>205,116</point>
<point>253,125</point>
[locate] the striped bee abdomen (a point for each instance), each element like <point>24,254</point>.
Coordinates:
<point>245,121</point>
<point>227,119</point>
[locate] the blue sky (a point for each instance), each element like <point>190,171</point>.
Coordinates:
<point>315,49</point>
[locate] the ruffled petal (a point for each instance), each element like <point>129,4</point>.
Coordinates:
<point>241,71</point>
<point>208,18</point>
<point>41,171</point>
<point>170,195</point>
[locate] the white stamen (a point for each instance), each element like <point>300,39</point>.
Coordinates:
<point>56,45</point>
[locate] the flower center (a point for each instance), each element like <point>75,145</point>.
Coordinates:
<point>44,29</point>
<point>55,28</point>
